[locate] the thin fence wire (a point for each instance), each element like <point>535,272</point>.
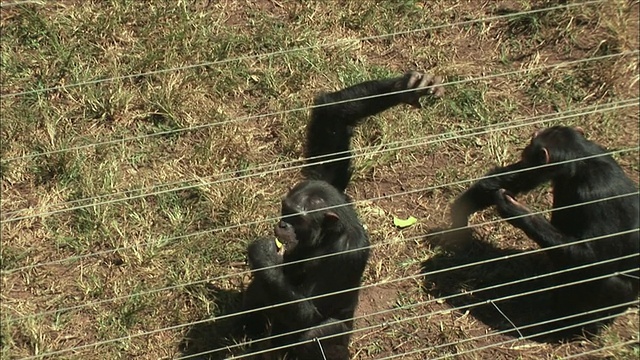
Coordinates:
<point>86,346</point>
<point>303,48</point>
<point>180,326</point>
<point>16,3</point>
<point>243,273</point>
<point>304,108</point>
<point>421,303</point>
<point>529,336</point>
<point>290,164</point>
<point>272,219</point>
<point>394,322</point>
<point>465,307</point>
<point>501,343</point>
<point>602,349</point>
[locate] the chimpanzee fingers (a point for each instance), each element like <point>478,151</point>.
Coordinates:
<point>263,252</point>
<point>417,80</point>
<point>413,78</point>
<point>424,84</point>
<point>501,199</point>
<point>436,90</point>
<point>509,197</point>
<point>507,206</point>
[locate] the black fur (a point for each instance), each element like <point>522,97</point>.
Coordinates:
<point>309,230</point>
<point>574,182</point>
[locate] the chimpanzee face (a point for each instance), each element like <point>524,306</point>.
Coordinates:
<point>292,228</point>
<point>304,216</point>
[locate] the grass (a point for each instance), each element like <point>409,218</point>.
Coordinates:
<point>142,170</point>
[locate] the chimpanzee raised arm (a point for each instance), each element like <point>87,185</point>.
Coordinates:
<point>317,221</point>
<point>592,197</point>
<point>335,114</point>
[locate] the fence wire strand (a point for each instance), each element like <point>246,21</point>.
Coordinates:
<point>427,302</point>
<point>247,272</point>
<point>180,326</point>
<point>604,348</point>
<point>290,164</point>
<point>463,307</point>
<point>505,342</point>
<point>305,108</point>
<point>303,48</point>
<point>272,219</point>
<point>25,2</point>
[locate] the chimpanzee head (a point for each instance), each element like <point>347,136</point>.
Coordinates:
<point>555,144</point>
<point>305,220</point>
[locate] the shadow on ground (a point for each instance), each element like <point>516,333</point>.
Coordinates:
<point>480,290</point>
<point>216,339</point>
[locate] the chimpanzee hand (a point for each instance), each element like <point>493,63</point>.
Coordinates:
<point>420,82</point>
<point>508,207</point>
<point>263,252</point>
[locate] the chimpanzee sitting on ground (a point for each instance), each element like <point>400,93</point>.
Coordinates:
<point>318,221</point>
<point>576,182</point>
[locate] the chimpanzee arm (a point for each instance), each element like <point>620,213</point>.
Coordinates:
<point>263,259</point>
<point>331,126</point>
<point>335,347</point>
<point>352,104</point>
<point>302,313</point>
<point>542,231</point>
<point>515,179</point>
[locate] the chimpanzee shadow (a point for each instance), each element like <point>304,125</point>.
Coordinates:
<point>463,287</point>
<point>216,338</point>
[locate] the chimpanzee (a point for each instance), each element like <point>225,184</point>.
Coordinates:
<point>581,174</point>
<point>317,221</point>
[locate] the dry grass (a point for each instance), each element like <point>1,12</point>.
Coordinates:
<point>166,215</point>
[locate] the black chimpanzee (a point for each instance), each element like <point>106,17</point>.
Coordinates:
<point>557,154</point>
<point>317,221</point>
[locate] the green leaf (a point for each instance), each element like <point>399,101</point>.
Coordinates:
<point>404,223</point>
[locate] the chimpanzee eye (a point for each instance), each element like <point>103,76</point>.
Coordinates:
<point>291,217</point>
<point>295,218</point>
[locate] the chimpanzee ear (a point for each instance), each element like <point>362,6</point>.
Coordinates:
<point>579,130</point>
<point>544,155</point>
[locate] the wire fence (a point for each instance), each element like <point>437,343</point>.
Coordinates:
<point>112,199</point>
<point>289,165</point>
<point>272,219</point>
<point>430,314</point>
<point>219,318</point>
<point>300,49</point>
<point>305,108</point>
<point>334,254</point>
